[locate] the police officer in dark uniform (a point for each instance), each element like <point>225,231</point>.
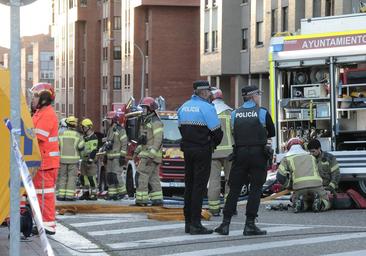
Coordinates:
<point>251,125</point>
<point>201,132</point>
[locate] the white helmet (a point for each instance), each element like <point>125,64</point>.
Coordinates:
<point>63,123</point>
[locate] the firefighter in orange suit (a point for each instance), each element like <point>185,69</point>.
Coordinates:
<point>46,129</point>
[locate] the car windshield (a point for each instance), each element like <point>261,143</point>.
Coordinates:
<point>171,131</point>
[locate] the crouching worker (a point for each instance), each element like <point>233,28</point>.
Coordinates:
<point>298,170</point>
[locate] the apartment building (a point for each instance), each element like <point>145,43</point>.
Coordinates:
<point>36,61</point>
<point>77,33</point>
<point>160,49</point>
<point>235,36</point>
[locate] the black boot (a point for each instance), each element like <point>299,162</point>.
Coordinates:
<point>198,229</point>
<point>186,227</point>
<point>251,229</point>
<point>223,229</point>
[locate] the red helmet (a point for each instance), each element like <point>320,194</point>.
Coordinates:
<point>117,117</point>
<point>41,88</point>
<point>294,141</point>
<point>150,103</point>
<point>216,94</point>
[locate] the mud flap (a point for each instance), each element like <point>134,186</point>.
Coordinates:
<point>359,200</point>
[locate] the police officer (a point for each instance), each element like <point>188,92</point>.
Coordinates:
<point>327,165</point>
<point>150,154</point>
<point>71,144</point>
<point>298,170</point>
<point>220,159</point>
<point>252,125</point>
<point>116,149</point>
<point>201,134</point>
<point>89,168</point>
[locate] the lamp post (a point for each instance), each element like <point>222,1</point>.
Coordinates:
<point>15,119</point>
<point>142,70</point>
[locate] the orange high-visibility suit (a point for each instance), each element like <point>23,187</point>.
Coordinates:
<point>46,129</point>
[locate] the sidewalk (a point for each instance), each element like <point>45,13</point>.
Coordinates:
<point>29,247</point>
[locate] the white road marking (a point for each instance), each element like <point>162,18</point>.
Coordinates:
<point>172,239</point>
<point>270,245</point>
<point>352,253</point>
<point>135,230</point>
<point>313,226</point>
<point>76,241</point>
<point>102,222</point>
<point>103,216</point>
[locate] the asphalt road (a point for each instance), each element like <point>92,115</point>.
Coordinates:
<point>331,233</point>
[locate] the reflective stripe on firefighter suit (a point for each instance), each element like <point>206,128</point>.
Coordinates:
<point>219,158</point>
<point>116,184</point>
<point>304,178</point>
<point>71,143</point>
<point>89,170</point>
<point>150,157</point>
<point>46,129</point>
<point>328,169</point>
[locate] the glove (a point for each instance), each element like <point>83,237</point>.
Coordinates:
<point>121,160</point>
<point>108,145</point>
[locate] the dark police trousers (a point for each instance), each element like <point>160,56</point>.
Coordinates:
<point>249,165</point>
<point>197,172</point>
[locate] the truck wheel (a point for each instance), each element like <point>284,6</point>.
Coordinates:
<point>361,186</point>
<point>130,185</point>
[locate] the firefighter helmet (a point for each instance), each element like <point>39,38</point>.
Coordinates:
<point>117,117</point>
<point>216,93</point>
<point>40,88</point>
<point>294,141</point>
<point>150,103</point>
<point>87,123</point>
<point>62,123</point>
<point>71,121</point>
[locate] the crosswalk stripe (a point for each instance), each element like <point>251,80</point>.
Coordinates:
<point>102,216</point>
<point>183,238</point>
<point>352,253</point>
<point>103,222</point>
<point>270,245</point>
<point>135,230</point>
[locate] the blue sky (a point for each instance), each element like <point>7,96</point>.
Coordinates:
<point>34,19</point>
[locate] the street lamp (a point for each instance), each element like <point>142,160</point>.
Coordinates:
<point>15,119</point>
<point>142,70</point>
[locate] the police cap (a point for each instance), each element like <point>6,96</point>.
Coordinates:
<point>250,90</point>
<point>201,85</point>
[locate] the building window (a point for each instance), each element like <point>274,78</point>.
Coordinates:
<point>206,4</point>
<point>273,22</point>
<point>105,24</point>
<point>105,82</point>
<point>285,18</point>
<point>214,40</point>
<point>63,110</point>
<point>206,42</point>
<point>117,22</point>
<point>329,7</point>
<point>71,109</point>
<point>104,110</point>
<point>117,82</point>
<point>83,3</point>
<point>30,58</point>
<point>105,53</point>
<point>30,76</point>
<point>244,39</point>
<point>57,107</point>
<point>259,33</point>
<point>127,81</point>
<point>316,8</point>
<point>117,53</point>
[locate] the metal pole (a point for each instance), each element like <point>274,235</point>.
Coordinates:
<point>142,70</point>
<point>15,119</point>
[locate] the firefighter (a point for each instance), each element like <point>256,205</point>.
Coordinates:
<point>221,154</point>
<point>89,167</point>
<point>71,144</point>
<point>327,165</point>
<point>299,170</point>
<point>252,126</point>
<point>46,129</point>
<point>201,133</point>
<point>116,150</point>
<point>150,154</point>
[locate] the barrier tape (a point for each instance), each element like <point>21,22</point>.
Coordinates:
<point>32,196</point>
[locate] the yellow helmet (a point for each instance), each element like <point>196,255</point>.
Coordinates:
<point>87,123</point>
<point>71,121</point>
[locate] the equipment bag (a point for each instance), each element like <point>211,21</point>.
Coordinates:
<point>359,200</point>
<point>341,201</point>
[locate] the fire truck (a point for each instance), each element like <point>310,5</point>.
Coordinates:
<point>318,90</point>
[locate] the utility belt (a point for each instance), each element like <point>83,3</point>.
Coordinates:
<point>267,150</point>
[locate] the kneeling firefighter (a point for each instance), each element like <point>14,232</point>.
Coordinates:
<point>116,149</point>
<point>150,154</point>
<point>298,170</point>
<point>88,164</point>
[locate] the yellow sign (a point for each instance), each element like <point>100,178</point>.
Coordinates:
<point>28,142</point>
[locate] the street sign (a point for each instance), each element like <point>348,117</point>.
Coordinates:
<point>22,2</point>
